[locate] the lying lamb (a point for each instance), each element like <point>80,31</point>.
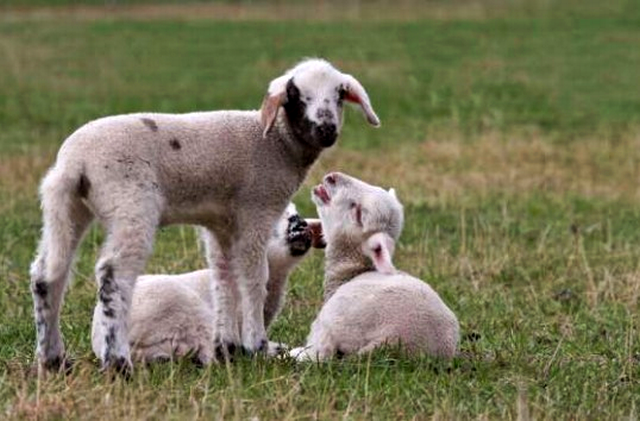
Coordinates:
<point>172,315</point>
<point>222,170</point>
<point>368,302</point>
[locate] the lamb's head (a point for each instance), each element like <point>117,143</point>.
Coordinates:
<point>359,216</point>
<point>312,95</point>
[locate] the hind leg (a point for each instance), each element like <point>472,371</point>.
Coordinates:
<point>64,226</point>
<point>128,245</point>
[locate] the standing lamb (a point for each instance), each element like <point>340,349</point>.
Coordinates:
<point>368,302</point>
<point>232,172</point>
<point>172,315</point>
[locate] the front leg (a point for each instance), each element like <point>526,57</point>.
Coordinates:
<point>224,295</point>
<point>252,283</point>
<point>284,252</point>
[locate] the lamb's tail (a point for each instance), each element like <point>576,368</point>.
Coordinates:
<point>65,218</point>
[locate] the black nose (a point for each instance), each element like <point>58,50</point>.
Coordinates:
<point>326,134</point>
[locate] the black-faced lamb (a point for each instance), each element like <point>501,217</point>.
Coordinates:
<point>172,315</point>
<point>368,302</point>
<point>223,170</point>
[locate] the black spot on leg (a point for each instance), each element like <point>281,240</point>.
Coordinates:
<point>175,144</point>
<point>108,287</point>
<point>111,337</point>
<point>41,289</point>
<point>109,340</point>
<point>41,329</point>
<point>107,282</point>
<point>150,123</point>
<point>104,298</point>
<point>39,317</point>
<point>83,186</point>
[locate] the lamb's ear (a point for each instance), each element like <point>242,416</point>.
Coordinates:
<point>379,248</point>
<point>355,93</point>
<point>392,192</point>
<point>275,97</point>
<point>317,236</point>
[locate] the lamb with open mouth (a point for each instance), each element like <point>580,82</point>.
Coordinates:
<point>367,301</point>
<point>321,193</point>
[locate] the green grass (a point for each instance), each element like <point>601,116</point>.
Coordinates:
<point>513,141</point>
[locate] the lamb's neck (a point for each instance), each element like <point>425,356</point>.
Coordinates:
<point>297,150</point>
<point>343,262</point>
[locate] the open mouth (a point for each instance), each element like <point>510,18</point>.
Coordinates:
<point>321,192</point>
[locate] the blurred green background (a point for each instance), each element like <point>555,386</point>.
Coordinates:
<point>510,129</point>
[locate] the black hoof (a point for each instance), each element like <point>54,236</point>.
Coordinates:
<point>298,236</point>
<point>159,360</point>
<point>262,349</point>
<point>59,364</point>
<point>118,366</point>
<point>278,349</point>
<point>264,346</point>
<point>198,361</point>
<point>472,337</point>
<point>225,351</point>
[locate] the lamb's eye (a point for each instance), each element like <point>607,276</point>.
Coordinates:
<point>307,98</point>
<point>356,209</point>
<point>342,93</point>
<point>352,205</point>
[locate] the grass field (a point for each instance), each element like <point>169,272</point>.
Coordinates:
<point>511,130</point>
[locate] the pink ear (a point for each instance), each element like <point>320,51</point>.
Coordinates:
<point>276,96</point>
<point>269,111</point>
<point>379,247</point>
<point>356,94</point>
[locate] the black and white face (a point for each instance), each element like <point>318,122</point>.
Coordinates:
<point>314,110</point>
<point>353,209</point>
<point>312,95</point>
